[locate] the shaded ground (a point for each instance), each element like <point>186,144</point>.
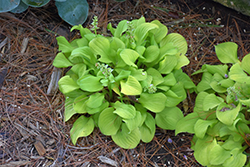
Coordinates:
<point>32,131</point>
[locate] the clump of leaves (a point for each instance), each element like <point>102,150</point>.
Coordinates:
<point>220,121</point>
<point>125,84</point>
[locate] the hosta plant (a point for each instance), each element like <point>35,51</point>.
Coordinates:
<point>220,120</point>
<point>126,83</point>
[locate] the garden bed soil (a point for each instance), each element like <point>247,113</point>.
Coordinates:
<point>32,130</point>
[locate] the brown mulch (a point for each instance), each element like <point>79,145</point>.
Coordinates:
<point>32,130</point>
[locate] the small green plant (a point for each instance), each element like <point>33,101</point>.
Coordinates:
<point>220,120</point>
<point>125,84</point>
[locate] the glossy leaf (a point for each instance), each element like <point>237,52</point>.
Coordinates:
<point>168,118</point>
<point>125,111</point>
<point>95,100</point>
<point>186,124</point>
<point>202,149</point>
<point>73,12</point>
<point>167,64</point>
<point>129,56</point>
<point>148,129</point>
<point>9,5</point>
<point>67,84</point>
<point>156,75</point>
<point>82,127</point>
<point>227,52</point>
<point>201,126</point>
<point>153,102</point>
<point>134,122</point>
<point>218,155</point>
<point>245,63</point>
<point>142,30</point>
<point>161,32</point>
<point>127,139</point>
<point>64,45</point>
<point>101,46</point>
<point>109,123</point>
<point>36,3</point>
<point>178,41</point>
<point>237,159</point>
<point>237,74</point>
<point>20,8</point>
<point>61,61</point>
<point>69,109</point>
<point>90,83</point>
<point>131,86</point>
<point>227,115</point>
<point>211,101</point>
<point>151,54</point>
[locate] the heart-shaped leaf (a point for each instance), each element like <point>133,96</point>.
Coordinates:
<point>245,63</point>
<point>201,126</point>
<point>227,52</point>
<point>129,56</point>
<point>6,6</point>
<point>148,128</point>
<point>67,84</point>
<point>153,102</point>
<point>141,32</point>
<point>125,111</point>
<point>186,124</point>
<point>36,3</point>
<point>20,8</point>
<point>168,118</point>
<point>109,122</point>
<point>61,61</point>
<point>227,115</point>
<point>167,64</point>
<point>73,12</point>
<point>211,101</point>
<point>90,83</point>
<point>82,127</point>
<point>131,87</point>
<point>127,139</point>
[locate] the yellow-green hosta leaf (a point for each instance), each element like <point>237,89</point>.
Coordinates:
<point>201,126</point>
<point>227,115</point>
<point>101,46</point>
<point>95,100</point>
<point>161,32</point>
<point>133,122</point>
<point>245,64</point>
<point>227,52</point>
<point>202,149</point>
<point>82,127</point>
<point>213,69</point>
<point>129,56</point>
<point>82,54</point>
<point>182,77</point>
<point>237,74</point>
<point>182,60</point>
<point>204,84</point>
<point>90,83</point>
<point>80,104</point>
<point>117,44</point>
<point>61,61</point>
<point>127,139</point>
<point>211,101</point>
<point>237,158</point>
<point>186,124</point>
<point>168,118</point>
<point>109,123</point>
<point>175,95</point>
<point>125,111</point>
<point>64,45</point>
<point>167,64</point>
<point>157,77</point>
<point>69,109</point>
<point>67,84</point>
<point>153,102</point>
<point>177,40</point>
<point>148,128</point>
<point>131,86</point>
<point>121,28</point>
<point>141,32</point>
<point>151,54</point>
<point>218,155</point>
